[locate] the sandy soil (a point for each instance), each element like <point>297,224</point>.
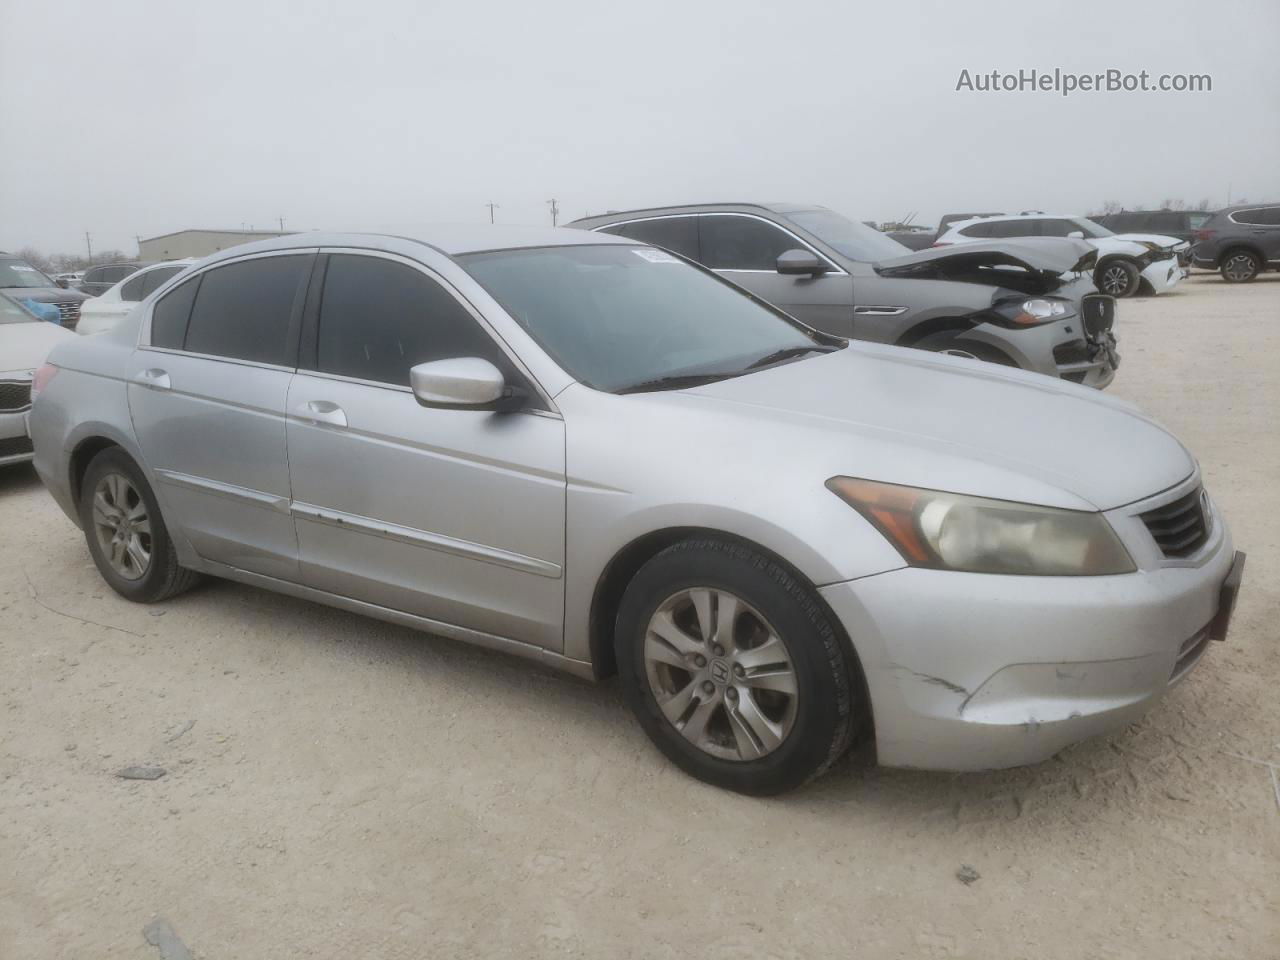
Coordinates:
<point>341,788</point>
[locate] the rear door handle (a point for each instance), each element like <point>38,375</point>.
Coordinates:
<point>155,378</point>
<point>322,411</point>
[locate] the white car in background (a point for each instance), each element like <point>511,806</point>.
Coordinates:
<point>101,313</point>
<point>25,340</point>
<point>1127,262</point>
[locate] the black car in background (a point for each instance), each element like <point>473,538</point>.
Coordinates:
<point>1240,242</point>
<point>1182,224</point>
<point>24,283</point>
<point>98,280</point>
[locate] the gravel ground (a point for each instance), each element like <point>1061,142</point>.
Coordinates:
<point>338,787</point>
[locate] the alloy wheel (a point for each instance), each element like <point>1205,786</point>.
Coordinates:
<point>1239,267</point>
<point>1115,280</point>
<point>721,675</point>
<point>122,526</point>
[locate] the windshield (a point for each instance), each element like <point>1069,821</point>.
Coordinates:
<point>1091,229</point>
<point>10,312</point>
<point>18,273</point>
<point>620,318</point>
<point>855,240</point>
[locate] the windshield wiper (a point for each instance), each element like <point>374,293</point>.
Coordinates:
<point>786,354</point>
<point>677,382</point>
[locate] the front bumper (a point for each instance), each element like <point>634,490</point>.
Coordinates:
<point>973,671</point>
<point>1163,275</point>
<point>1058,349</point>
<point>15,446</point>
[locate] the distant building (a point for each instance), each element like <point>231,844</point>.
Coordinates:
<point>198,243</point>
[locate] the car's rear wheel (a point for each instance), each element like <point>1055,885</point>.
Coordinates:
<point>125,532</point>
<point>1119,278</point>
<point>733,668</point>
<point>1240,266</point>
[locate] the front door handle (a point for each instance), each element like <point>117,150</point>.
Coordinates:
<point>322,411</point>
<point>155,378</point>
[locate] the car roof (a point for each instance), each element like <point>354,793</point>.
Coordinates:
<point>690,208</point>
<point>960,224</point>
<point>449,239</point>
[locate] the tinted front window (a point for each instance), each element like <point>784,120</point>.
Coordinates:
<point>1260,216</point>
<point>19,273</point>
<point>1051,227</point>
<point>742,243</point>
<point>855,240</point>
<point>378,318</point>
<point>678,234</point>
<point>619,316</point>
<point>243,309</point>
<point>170,315</point>
<point>1091,229</point>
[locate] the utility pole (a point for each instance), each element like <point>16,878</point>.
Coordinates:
<point>88,245</point>
<point>281,219</point>
<point>555,211</point>
<point>492,207</point>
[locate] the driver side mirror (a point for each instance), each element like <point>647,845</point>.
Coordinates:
<point>1076,235</point>
<point>464,383</point>
<point>801,263</point>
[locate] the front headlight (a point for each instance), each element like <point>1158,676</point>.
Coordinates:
<point>950,531</point>
<point>1030,313</point>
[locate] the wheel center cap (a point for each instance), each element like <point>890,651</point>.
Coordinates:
<point>719,671</point>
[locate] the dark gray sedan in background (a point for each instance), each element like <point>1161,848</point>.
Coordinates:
<point>1028,304</point>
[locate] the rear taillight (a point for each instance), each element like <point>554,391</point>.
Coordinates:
<point>1204,236</point>
<point>940,243</point>
<point>41,379</point>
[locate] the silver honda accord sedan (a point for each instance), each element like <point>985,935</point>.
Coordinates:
<point>585,451</point>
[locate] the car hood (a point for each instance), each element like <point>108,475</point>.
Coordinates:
<point>1168,243</point>
<point>948,423</point>
<point>1039,264</point>
<point>24,346</point>
<point>44,294</point>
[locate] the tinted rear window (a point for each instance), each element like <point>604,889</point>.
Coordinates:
<point>243,309</point>
<point>155,279</point>
<point>170,315</point>
<point>677,234</point>
<point>1261,216</point>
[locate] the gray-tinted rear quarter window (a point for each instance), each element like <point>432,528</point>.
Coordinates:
<point>1259,216</point>
<point>154,279</point>
<point>242,310</point>
<point>677,234</point>
<point>135,289</point>
<point>170,315</point>
<point>731,242</point>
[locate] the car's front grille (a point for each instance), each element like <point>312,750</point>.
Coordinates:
<point>14,446</point>
<point>14,395</point>
<point>1099,312</point>
<point>1179,528</point>
<point>69,312</point>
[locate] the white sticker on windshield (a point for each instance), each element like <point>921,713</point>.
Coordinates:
<point>22,268</point>
<point>655,256</point>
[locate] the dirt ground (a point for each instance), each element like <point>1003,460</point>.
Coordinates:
<point>342,788</point>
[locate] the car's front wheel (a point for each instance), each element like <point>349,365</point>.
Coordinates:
<point>733,668</point>
<point>1119,278</point>
<point>950,343</point>
<point>127,537</point>
<point>1240,266</point>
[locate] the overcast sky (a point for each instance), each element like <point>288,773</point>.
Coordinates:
<point>134,118</point>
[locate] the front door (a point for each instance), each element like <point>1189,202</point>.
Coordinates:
<point>745,249</point>
<point>453,515</point>
<point>207,397</point>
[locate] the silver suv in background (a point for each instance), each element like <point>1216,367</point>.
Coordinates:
<point>1028,305</point>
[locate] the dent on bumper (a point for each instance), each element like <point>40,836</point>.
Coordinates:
<point>973,672</point>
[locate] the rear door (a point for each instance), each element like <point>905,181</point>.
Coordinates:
<point>745,249</point>
<point>453,515</point>
<point>208,402</point>
<point>1262,226</point>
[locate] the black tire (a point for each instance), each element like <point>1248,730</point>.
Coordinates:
<point>1117,278</point>
<point>1240,266</point>
<point>828,686</point>
<point>949,342</point>
<point>163,576</point>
